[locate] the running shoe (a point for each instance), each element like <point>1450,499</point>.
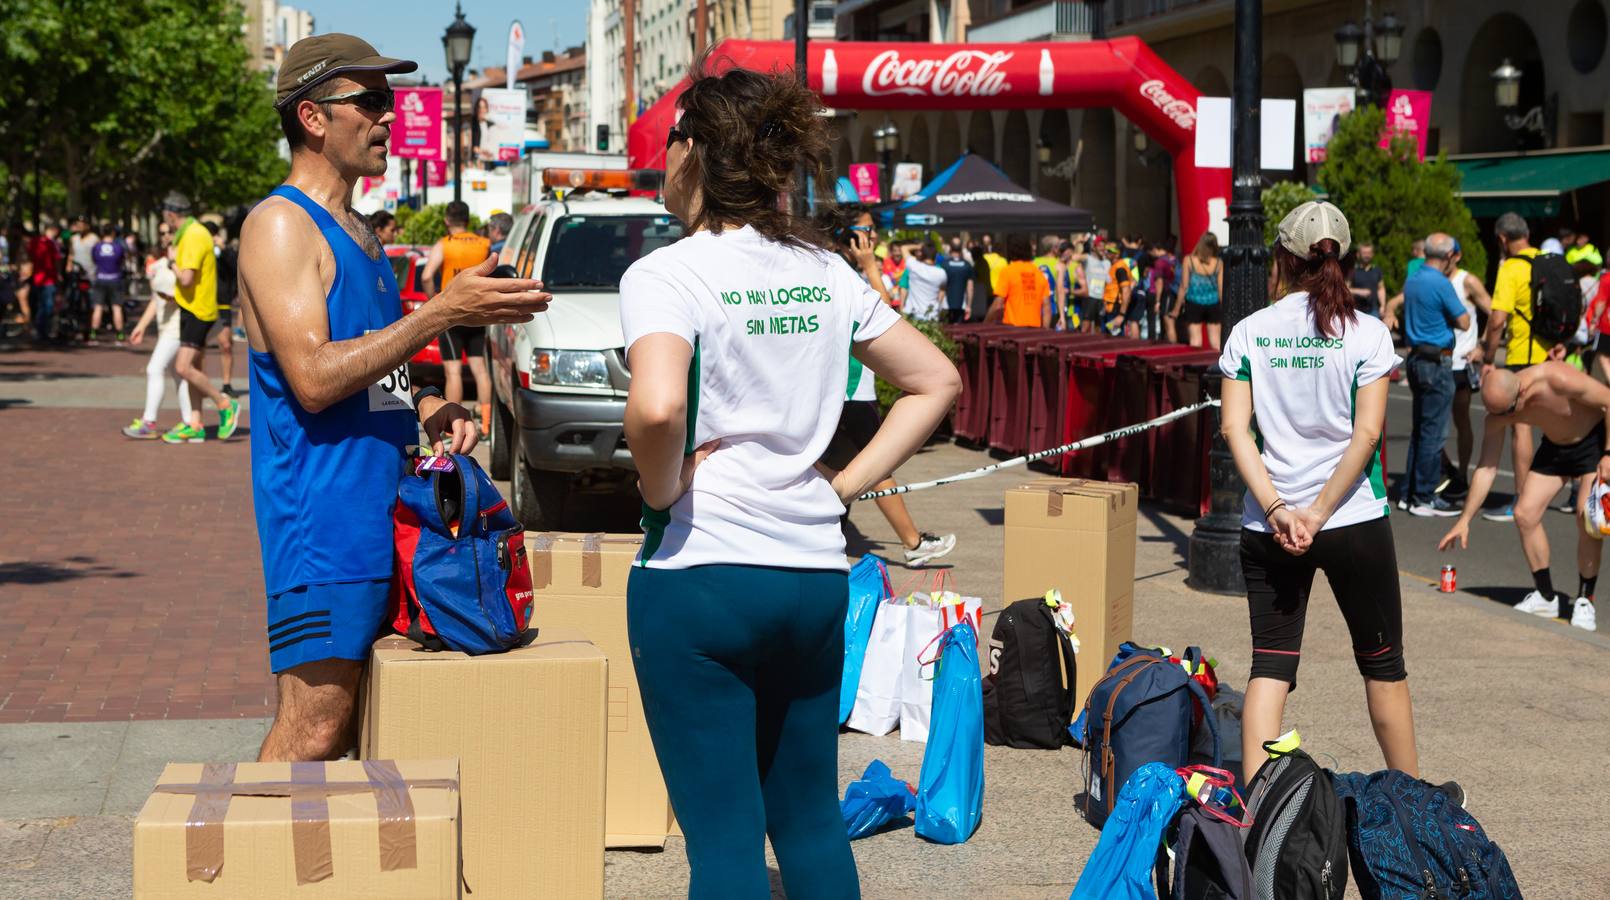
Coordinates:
<point>1569,505</point>
<point>184,434</point>
<point>1537,605</point>
<point>1455,792</point>
<point>228,390</point>
<point>1502,514</point>
<point>141,430</point>
<point>1435,507</point>
<point>228,419</point>
<point>929,547</point>
<point>1583,615</point>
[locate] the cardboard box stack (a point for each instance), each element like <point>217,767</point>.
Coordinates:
<point>1079,537</point>
<point>580,580</point>
<point>254,831</point>
<point>528,729</point>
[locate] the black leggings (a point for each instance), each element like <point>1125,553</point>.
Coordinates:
<point>1362,567</point>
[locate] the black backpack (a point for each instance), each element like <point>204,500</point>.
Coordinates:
<point>1297,845</point>
<point>1209,863</point>
<point>1556,298</point>
<point>1025,703</point>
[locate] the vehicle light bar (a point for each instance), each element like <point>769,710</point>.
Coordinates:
<point>602,179</point>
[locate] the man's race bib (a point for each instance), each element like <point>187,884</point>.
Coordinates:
<point>394,391</point>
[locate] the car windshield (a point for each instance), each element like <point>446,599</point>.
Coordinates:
<point>595,251</point>
<point>399,268</point>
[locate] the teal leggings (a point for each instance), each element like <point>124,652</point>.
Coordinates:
<point>739,667</point>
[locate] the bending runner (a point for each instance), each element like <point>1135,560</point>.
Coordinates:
<point>333,410</point>
<point>1572,409</point>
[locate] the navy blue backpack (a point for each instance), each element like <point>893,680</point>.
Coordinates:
<point>1408,839</point>
<point>1139,712</point>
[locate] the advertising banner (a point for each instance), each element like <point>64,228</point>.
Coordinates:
<point>1322,107</point>
<point>907,180</point>
<point>511,59</point>
<point>417,133</point>
<point>1408,112</point>
<point>503,136</point>
<point>431,171</point>
<point>867,177</point>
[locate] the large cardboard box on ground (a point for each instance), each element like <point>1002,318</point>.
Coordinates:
<point>233,831</point>
<point>580,582</point>
<point>527,727</point>
<point>1076,536</point>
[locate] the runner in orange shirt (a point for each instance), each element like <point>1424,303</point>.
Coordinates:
<point>461,249</point>
<point>1021,288</point>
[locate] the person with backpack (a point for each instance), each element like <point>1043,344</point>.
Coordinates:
<point>736,605</point>
<point>1313,371</point>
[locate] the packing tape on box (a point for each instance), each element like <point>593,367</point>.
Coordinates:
<point>540,547</point>
<point>1084,444</point>
<point>310,815</point>
<point>1057,488</point>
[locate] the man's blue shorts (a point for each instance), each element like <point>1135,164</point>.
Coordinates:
<point>339,620</point>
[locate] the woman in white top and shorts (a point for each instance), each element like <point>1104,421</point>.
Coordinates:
<point>1304,405</point>
<point>739,339</point>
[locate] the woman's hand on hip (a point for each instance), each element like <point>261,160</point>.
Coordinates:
<point>684,479</point>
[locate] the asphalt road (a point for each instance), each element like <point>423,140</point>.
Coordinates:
<point>1493,566</point>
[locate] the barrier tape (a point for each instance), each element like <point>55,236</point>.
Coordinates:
<point>1085,444</point>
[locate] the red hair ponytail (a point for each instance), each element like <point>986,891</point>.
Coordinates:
<point>1323,273</point>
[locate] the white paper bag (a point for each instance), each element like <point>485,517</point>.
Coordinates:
<point>877,694</point>
<point>927,618</point>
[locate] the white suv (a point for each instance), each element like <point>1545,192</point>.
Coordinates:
<point>560,380</point>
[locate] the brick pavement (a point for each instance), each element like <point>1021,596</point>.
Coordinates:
<point>129,570</point>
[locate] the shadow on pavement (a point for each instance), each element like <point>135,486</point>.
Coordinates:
<point>52,573</point>
<point>1171,533</point>
<point>1508,596</point>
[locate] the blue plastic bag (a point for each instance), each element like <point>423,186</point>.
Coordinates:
<point>950,791</point>
<point>869,585</point>
<point>874,801</point>
<point>1120,868</point>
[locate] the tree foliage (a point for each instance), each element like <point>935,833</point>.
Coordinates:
<point>1280,199</point>
<point>428,225</point>
<point>1391,198</point>
<point>121,102</point>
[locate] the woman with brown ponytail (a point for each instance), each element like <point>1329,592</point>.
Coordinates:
<point>739,339</point>
<point>1304,404</point>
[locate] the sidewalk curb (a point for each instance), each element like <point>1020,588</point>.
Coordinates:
<point>1555,626</point>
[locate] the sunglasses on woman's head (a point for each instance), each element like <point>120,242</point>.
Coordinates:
<point>673,135</point>
<point>370,100</point>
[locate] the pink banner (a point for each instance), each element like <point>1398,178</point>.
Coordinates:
<point>438,173</point>
<point>866,178</point>
<point>417,133</point>
<point>368,184</point>
<point>1408,112</point>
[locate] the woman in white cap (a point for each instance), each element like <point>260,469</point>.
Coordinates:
<point>1304,406</point>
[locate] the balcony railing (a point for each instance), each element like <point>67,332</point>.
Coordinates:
<point>1053,19</point>
<point>1126,12</point>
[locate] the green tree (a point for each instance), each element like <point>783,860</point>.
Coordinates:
<point>121,102</point>
<point>1391,198</point>
<point>428,226</point>
<point>1280,199</point>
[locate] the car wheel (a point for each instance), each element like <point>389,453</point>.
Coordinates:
<point>537,498</point>
<point>500,440</point>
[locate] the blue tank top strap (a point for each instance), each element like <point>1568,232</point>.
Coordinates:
<point>321,217</point>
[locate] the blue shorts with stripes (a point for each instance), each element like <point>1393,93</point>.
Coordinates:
<point>325,621</point>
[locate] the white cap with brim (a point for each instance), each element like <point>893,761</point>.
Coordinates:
<point>1311,223</point>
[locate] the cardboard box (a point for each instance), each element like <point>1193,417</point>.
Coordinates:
<point>227,831</point>
<point>1076,536</point>
<point>527,727</point>
<point>580,580</point>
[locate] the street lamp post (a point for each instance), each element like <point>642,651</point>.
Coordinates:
<point>1215,563</point>
<point>1366,52</point>
<point>1537,121</point>
<point>886,140</point>
<point>456,45</point>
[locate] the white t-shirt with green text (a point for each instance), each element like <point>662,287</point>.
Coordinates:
<point>771,328</point>
<point>1303,390</point>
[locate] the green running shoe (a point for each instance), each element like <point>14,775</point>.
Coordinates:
<point>184,434</point>
<point>228,419</point>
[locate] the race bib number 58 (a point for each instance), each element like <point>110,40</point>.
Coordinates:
<point>394,391</point>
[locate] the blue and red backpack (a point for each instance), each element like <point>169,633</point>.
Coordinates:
<point>463,581</point>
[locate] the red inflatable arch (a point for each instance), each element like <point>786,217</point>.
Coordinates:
<point>1123,74</point>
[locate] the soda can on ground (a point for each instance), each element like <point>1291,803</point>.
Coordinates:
<point>1450,580</point>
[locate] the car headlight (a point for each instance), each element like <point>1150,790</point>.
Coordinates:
<point>571,368</point>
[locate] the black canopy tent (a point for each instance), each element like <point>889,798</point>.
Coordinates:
<point>975,195</point>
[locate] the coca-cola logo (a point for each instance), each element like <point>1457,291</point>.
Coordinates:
<point>965,73</point>
<point>1181,112</point>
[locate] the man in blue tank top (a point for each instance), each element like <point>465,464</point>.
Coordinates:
<point>332,406</point>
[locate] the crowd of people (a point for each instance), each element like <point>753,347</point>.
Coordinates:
<point>1089,282</point>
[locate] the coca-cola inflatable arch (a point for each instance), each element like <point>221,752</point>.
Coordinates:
<point>1122,73</point>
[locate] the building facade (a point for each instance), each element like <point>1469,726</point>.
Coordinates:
<point>606,91</point>
<point>271,28</point>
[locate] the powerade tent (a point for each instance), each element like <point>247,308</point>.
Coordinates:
<point>973,194</point>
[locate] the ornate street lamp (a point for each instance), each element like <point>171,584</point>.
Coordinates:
<point>887,141</point>
<point>1507,82</point>
<point>1043,152</point>
<point>1388,39</point>
<point>1349,38</point>
<point>1537,123</point>
<point>1366,52</point>
<point>457,43</point>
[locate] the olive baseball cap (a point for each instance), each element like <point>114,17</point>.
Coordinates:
<point>316,59</point>
<point>1311,223</point>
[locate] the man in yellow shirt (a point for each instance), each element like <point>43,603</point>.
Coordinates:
<point>1512,307</point>
<point>196,268</point>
